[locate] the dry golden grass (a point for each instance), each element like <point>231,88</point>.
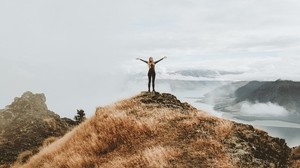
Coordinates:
<point>149,157</point>
<point>295,164</point>
<point>223,129</point>
<point>23,157</point>
<point>211,148</point>
<point>131,134</point>
<point>48,141</point>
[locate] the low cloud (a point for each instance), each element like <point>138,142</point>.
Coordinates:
<point>269,68</point>
<point>263,110</point>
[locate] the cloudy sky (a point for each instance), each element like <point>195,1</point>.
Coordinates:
<point>79,52</point>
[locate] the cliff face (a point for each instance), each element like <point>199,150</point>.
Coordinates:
<point>25,124</point>
<point>157,130</point>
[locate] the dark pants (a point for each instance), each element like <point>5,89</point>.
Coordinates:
<point>151,75</point>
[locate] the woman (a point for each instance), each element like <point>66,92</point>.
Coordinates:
<point>151,73</point>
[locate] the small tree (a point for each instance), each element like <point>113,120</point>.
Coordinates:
<point>80,117</point>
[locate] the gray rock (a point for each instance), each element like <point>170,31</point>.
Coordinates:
<point>25,124</point>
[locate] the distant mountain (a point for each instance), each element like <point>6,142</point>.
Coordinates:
<point>204,73</point>
<point>229,97</point>
<point>182,85</point>
<point>184,74</point>
<point>224,92</point>
<point>25,124</point>
<point>283,93</point>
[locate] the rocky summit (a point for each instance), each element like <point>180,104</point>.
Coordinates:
<point>155,99</point>
<point>158,130</point>
<point>25,124</point>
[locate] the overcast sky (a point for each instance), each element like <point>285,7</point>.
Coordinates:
<point>79,52</point>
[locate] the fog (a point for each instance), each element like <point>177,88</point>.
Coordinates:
<point>81,54</point>
<point>66,92</point>
<point>263,110</point>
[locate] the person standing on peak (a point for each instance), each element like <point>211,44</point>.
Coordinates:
<point>151,73</point>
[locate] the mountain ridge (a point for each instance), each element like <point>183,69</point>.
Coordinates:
<point>230,97</point>
<point>282,92</point>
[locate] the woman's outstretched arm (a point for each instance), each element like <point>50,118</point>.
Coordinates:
<point>142,60</point>
<point>159,60</point>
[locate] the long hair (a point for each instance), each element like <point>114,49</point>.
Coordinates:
<point>150,62</point>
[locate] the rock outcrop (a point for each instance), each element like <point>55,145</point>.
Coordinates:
<point>166,100</point>
<point>25,124</point>
<point>250,147</point>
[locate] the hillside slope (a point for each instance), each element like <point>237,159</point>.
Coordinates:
<point>283,93</point>
<point>159,131</point>
<point>25,124</point>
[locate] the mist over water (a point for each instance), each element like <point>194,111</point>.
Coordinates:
<point>263,110</point>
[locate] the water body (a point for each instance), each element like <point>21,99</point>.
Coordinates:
<point>287,128</point>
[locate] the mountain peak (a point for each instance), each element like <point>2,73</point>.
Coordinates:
<point>29,102</point>
<point>163,100</point>
<point>25,124</point>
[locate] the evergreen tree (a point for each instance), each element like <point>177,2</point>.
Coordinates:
<point>80,117</point>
